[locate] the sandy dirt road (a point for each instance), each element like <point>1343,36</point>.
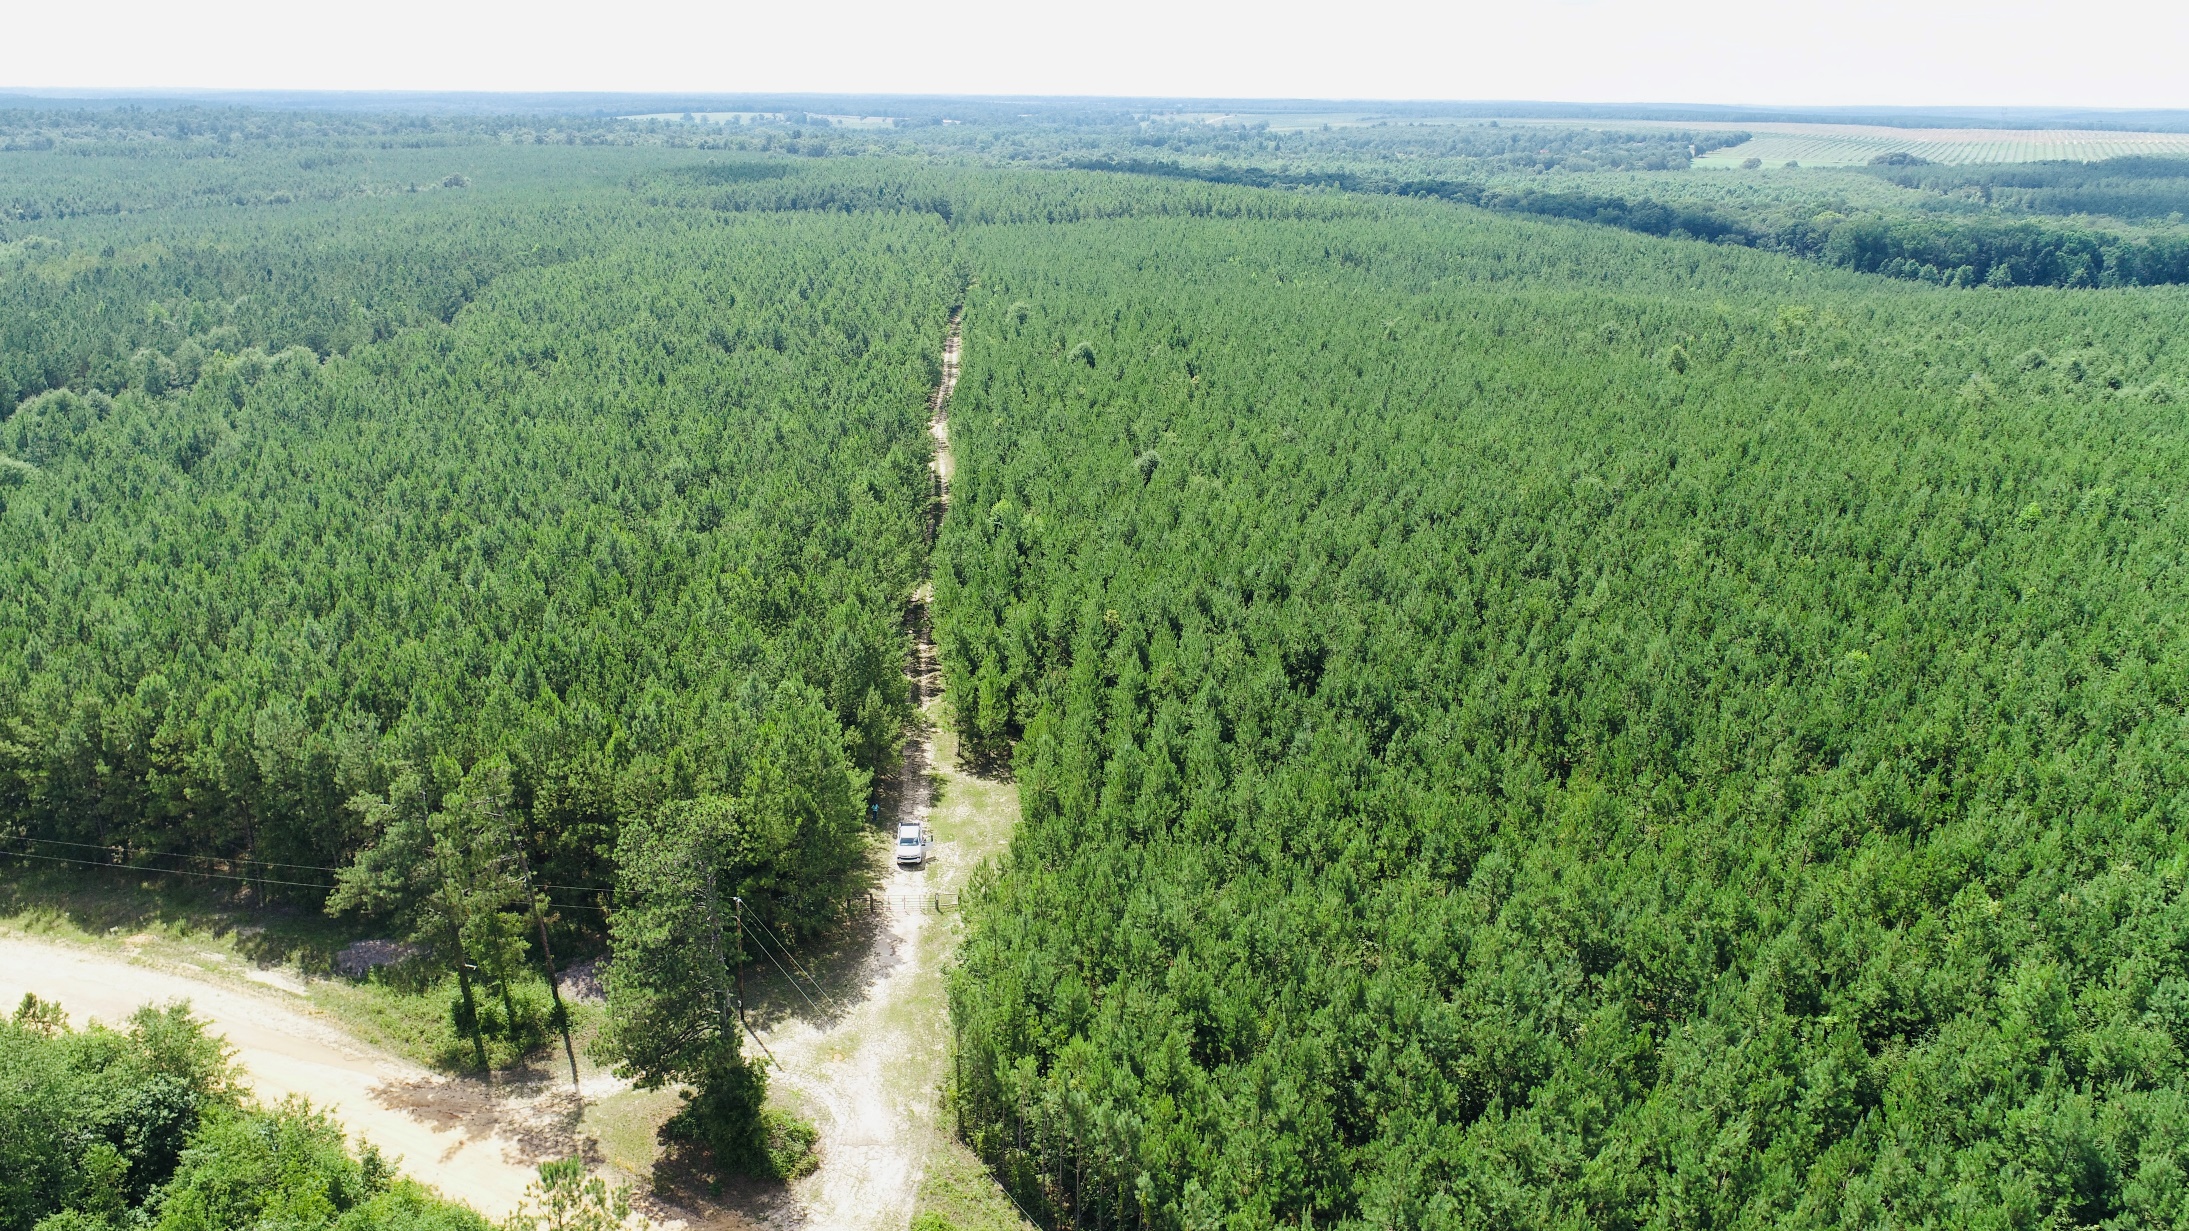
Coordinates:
<point>475,1146</point>
<point>866,1061</point>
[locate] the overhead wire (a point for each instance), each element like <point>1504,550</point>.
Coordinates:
<point>249,880</point>
<point>258,863</point>
<point>833,1006</point>
<point>779,966</point>
<point>262,863</point>
<point>124,867</point>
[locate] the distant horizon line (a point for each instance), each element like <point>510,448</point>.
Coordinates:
<point>138,93</point>
<point>1007,108</point>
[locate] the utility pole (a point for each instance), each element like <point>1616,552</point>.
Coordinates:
<point>714,924</point>
<point>547,955</point>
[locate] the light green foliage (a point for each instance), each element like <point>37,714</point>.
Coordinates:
<point>75,1220</point>
<point>103,1130</point>
<point>587,521</point>
<point>93,1120</point>
<point>565,1198</point>
<point>1486,774</point>
<point>1520,723</point>
<point>288,1167</point>
<point>790,1144</point>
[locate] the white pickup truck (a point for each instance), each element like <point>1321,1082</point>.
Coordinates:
<point>912,844</point>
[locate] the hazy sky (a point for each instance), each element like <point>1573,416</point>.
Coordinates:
<point>2127,53</point>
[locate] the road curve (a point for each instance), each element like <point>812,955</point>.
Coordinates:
<point>475,1146</point>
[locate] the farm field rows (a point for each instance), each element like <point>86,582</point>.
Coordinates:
<point>1824,145</point>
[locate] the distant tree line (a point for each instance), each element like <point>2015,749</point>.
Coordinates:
<point>1945,252</point>
<point>2134,188</point>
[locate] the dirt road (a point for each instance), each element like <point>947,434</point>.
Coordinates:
<point>867,1065</point>
<point>473,1145</point>
<point>865,1060</point>
<point>938,408</point>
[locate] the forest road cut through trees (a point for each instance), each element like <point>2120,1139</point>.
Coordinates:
<point>867,1067</point>
<point>868,1070</point>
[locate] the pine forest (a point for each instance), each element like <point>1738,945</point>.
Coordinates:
<point>1546,685</point>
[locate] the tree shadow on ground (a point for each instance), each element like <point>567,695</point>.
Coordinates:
<point>826,978</point>
<point>530,1105</point>
<point>105,900</point>
<point>686,1184</point>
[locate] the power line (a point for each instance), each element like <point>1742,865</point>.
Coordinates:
<point>779,968</point>
<point>259,863</point>
<point>795,962</point>
<point>249,880</point>
<point>262,863</point>
<point>226,859</point>
<point>124,867</point>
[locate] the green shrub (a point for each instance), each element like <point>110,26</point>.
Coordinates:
<point>104,1130</point>
<point>288,1167</point>
<point>565,1198</point>
<point>95,1120</point>
<point>790,1144</point>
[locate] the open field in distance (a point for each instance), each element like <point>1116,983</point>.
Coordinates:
<point>1845,145</point>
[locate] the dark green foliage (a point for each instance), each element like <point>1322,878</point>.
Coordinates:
<point>1488,774</point>
<point>1944,251</point>
<point>452,880</point>
<point>691,878</point>
<point>1488,148</point>
<point>723,1112</point>
<point>1646,216</point>
<point>591,526</point>
<point>1995,252</point>
<point>2132,188</point>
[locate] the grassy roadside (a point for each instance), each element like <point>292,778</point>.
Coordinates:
<point>175,924</point>
<point>974,815</point>
<point>958,1194</point>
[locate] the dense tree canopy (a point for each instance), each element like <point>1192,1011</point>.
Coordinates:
<point>1525,717</point>
<point>596,524</point>
<point>1521,727</point>
<point>2139,188</point>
